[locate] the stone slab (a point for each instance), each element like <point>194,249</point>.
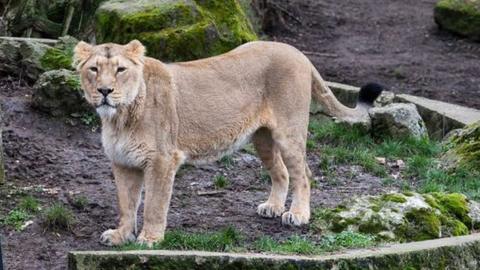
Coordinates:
<point>448,253</point>
<point>40,40</point>
<point>441,117</point>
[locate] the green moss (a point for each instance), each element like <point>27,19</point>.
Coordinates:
<point>423,224</point>
<point>467,146</point>
<point>178,30</point>
<point>455,204</point>
<point>371,226</point>
<point>394,197</point>
<point>408,193</point>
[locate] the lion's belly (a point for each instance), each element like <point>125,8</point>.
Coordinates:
<point>213,150</point>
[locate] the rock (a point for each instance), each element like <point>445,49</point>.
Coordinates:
<point>385,98</point>
<point>10,56</point>
<point>58,92</point>
<point>459,16</point>
<point>397,120</point>
<point>464,149</point>
<point>22,58</point>
<point>402,216</point>
<point>31,54</point>
<point>2,166</point>
<point>175,30</point>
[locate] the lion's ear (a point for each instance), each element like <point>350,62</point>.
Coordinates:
<point>81,53</point>
<point>135,50</point>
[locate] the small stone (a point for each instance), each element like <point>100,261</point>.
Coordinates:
<point>400,164</point>
<point>381,160</point>
<point>385,98</point>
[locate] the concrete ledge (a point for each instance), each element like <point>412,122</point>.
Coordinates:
<point>441,117</point>
<point>448,253</point>
<point>41,40</point>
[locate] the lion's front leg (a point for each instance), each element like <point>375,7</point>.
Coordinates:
<point>129,188</point>
<point>159,176</point>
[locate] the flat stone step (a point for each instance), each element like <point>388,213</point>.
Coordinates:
<point>447,253</point>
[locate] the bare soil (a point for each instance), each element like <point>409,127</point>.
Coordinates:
<point>392,42</point>
<point>395,43</point>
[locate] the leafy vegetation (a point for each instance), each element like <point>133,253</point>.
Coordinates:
<point>25,210</point>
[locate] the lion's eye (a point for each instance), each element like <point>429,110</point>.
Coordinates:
<point>93,69</point>
<point>121,69</point>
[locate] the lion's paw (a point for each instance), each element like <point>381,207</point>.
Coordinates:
<point>148,240</point>
<point>295,219</point>
<point>115,237</point>
<point>270,210</point>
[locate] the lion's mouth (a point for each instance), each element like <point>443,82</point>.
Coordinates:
<point>105,103</point>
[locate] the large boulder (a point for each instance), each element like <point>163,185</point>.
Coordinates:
<point>61,55</point>
<point>175,30</point>
<point>58,92</point>
<point>397,120</point>
<point>402,217</point>
<point>459,16</point>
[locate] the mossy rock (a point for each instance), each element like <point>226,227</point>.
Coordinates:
<point>58,92</point>
<point>175,30</point>
<point>402,217</point>
<point>465,148</point>
<point>459,16</point>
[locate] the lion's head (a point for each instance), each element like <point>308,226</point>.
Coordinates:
<point>110,74</point>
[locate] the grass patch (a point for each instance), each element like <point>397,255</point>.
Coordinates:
<point>221,181</point>
<point>29,204</point>
<point>341,144</point>
<point>227,161</point>
<point>25,210</point>
<point>301,245</point>
<point>58,217</point>
<point>223,240</point>
<point>80,202</point>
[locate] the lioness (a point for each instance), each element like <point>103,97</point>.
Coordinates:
<point>157,116</point>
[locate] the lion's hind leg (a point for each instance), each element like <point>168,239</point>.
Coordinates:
<point>271,158</point>
<point>292,147</point>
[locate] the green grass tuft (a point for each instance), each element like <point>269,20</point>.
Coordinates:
<point>58,217</point>
<point>221,181</point>
<point>80,202</point>
<point>29,204</point>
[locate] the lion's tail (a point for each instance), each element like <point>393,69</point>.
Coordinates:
<point>322,94</point>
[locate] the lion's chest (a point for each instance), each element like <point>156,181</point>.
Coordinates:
<point>123,149</point>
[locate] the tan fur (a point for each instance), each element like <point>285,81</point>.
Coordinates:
<point>163,115</point>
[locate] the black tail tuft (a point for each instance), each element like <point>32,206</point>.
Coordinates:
<point>369,93</point>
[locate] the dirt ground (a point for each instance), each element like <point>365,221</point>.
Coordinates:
<point>395,43</point>
<point>392,42</point>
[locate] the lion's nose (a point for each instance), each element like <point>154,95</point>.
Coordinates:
<point>105,91</point>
